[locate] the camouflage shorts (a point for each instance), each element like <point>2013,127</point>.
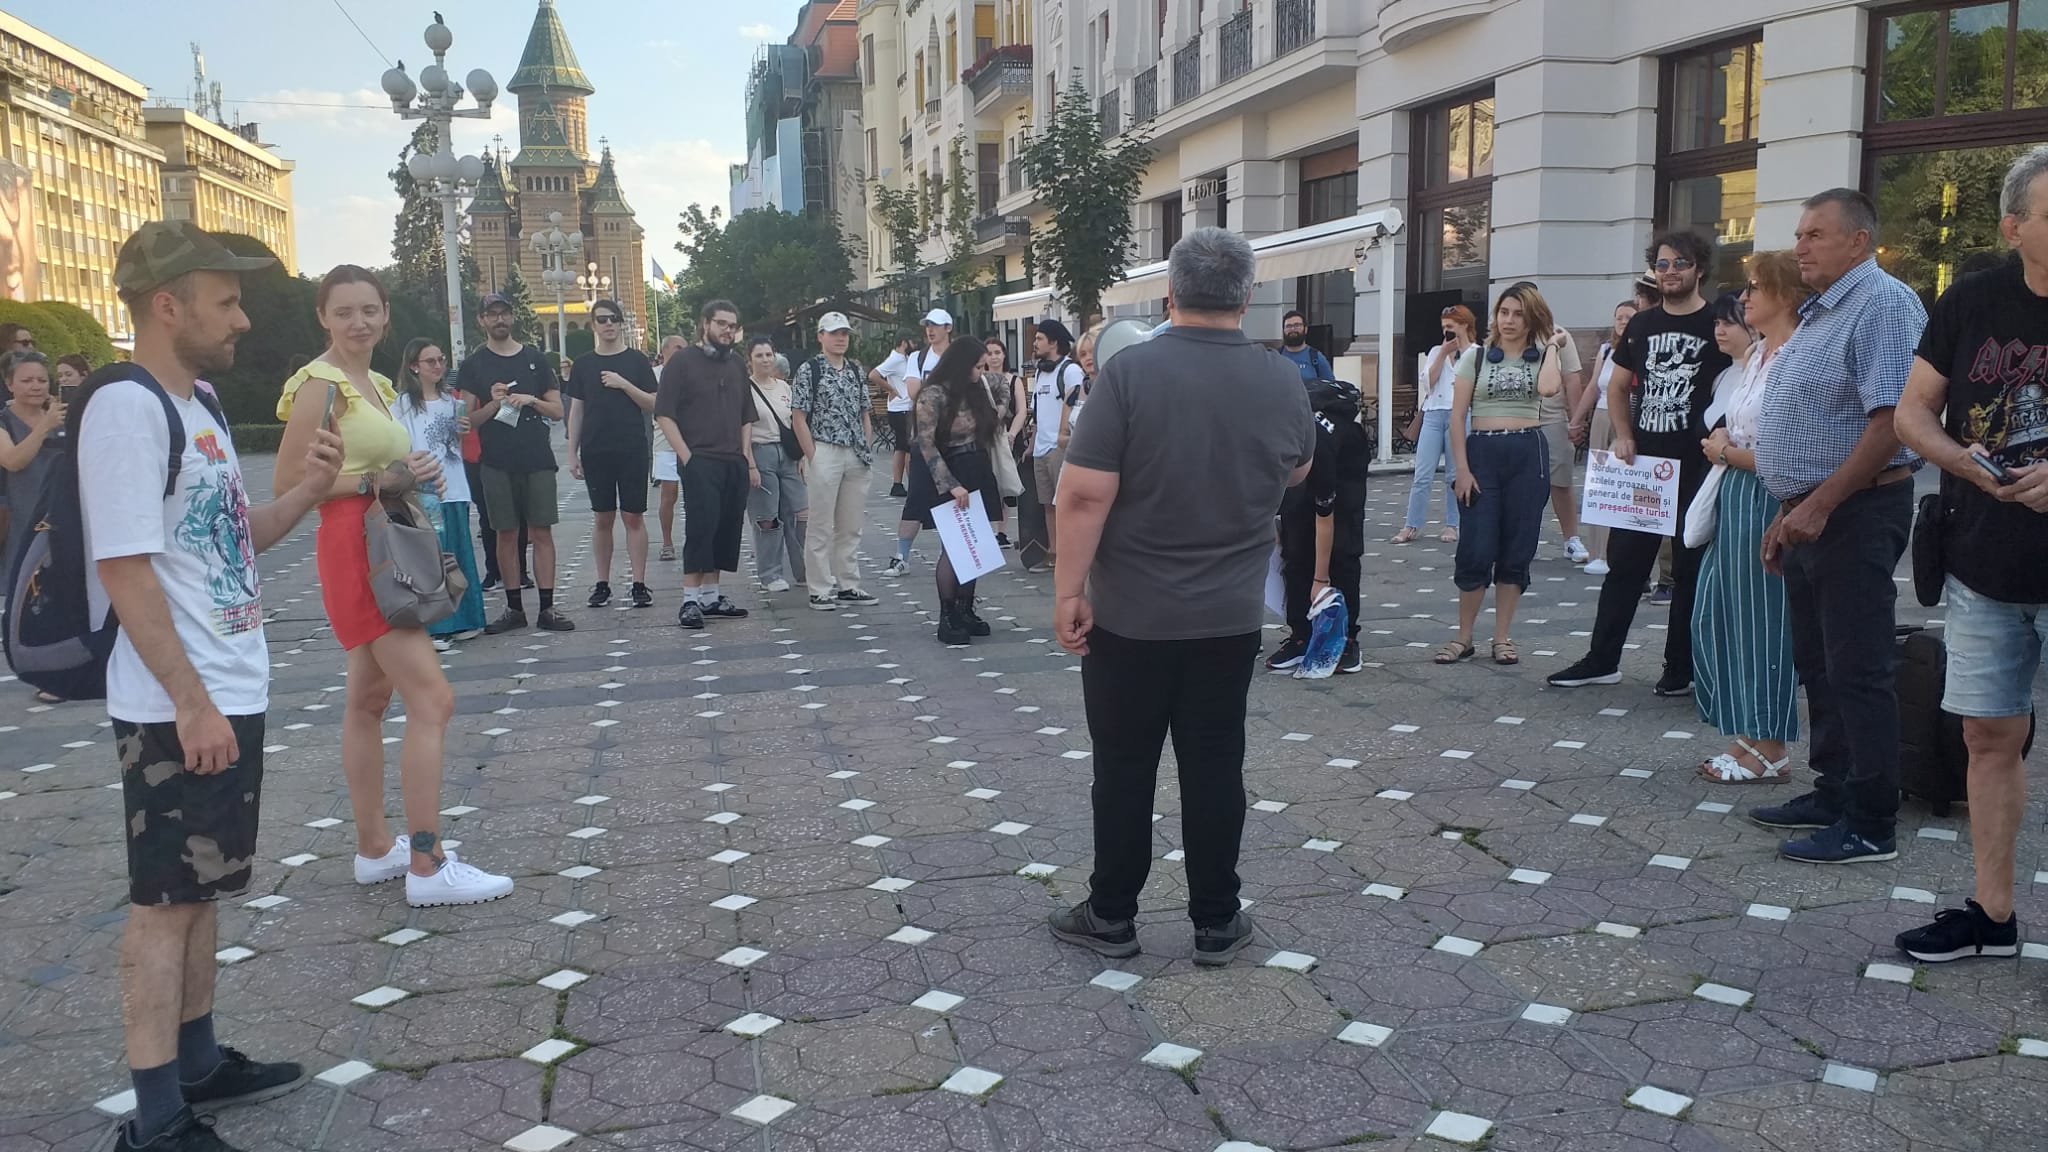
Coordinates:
<point>191,838</point>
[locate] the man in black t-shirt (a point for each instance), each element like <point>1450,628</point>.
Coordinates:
<point>611,391</point>
<point>1983,360</point>
<point>1664,373</point>
<point>1322,534</point>
<point>516,395</point>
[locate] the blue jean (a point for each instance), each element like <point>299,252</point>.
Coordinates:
<point>1506,516</point>
<point>1993,649</point>
<point>1431,446</point>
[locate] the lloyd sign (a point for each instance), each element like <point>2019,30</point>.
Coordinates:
<point>1642,497</point>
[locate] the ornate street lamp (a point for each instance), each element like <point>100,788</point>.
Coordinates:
<point>556,249</point>
<point>448,177</point>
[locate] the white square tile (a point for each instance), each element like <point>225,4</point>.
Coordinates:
<point>857,805</point>
<point>1037,871</point>
<point>909,934</point>
<point>1171,1056</point>
<point>721,786</point>
<point>1547,1014</point>
<point>1676,863</point>
<point>730,856</point>
<point>1913,895</point>
<point>1269,806</point>
<point>1663,1103</point>
<point>1614,711</point>
<point>1723,994</point>
<point>591,801</point>
<point>266,903</point>
<point>842,774</point>
<point>402,937</point>
<point>1569,745</point>
<point>1623,931</point>
<point>1116,981</point>
<point>1892,973</point>
<point>233,955</point>
<point>734,903</point>
<point>1587,820</point>
<point>721,817</point>
<point>1677,734</point>
<point>323,822</point>
<point>1365,1035</point>
<point>762,1110</point>
<point>971,1082</point>
<point>1948,834</point>
<point>1323,845</point>
<point>1458,1128</point>
<point>1341,762</point>
<point>1404,729</point>
<point>1529,876</point>
<point>871,841</point>
<point>1010,828</point>
<point>982,793</point>
<point>547,1052</point>
<point>1636,773</point>
<point>938,1001</point>
<point>1291,961</point>
<point>1518,785</point>
<point>742,957</point>
<point>1074,754</point>
<point>1457,946</point>
<point>1849,1076</point>
<point>891,884</point>
<point>588,833</point>
<point>298,861</point>
<point>380,997</point>
<point>343,1075</point>
<point>572,919</point>
<point>119,1104</point>
<point>563,979</point>
<point>2037,1049</point>
<point>752,1024</point>
<point>1454,754</point>
<point>1385,891</point>
<point>1768,912</point>
<point>1509,720</point>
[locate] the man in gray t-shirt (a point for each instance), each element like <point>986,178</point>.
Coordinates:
<point>1165,533</point>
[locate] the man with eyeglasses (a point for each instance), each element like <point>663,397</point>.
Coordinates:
<point>1294,336</point>
<point>1827,449</point>
<point>611,392</point>
<point>1669,359</point>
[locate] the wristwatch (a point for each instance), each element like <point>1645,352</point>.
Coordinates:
<point>363,486</point>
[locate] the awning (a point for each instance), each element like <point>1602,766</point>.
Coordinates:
<point>1328,247</point>
<point>1028,304</point>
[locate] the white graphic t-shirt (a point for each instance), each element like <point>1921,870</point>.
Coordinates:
<point>893,371</point>
<point>1051,391</point>
<point>198,540</point>
<point>432,429</point>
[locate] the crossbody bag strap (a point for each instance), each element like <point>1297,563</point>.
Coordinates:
<point>772,414</point>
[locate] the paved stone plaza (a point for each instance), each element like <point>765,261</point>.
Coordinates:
<point>783,885</point>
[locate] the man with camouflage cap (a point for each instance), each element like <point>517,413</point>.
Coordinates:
<point>188,682</point>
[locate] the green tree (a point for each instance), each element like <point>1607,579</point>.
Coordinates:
<point>525,322</point>
<point>964,268</point>
<point>1090,185</point>
<point>898,209</point>
<point>666,316</point>
<point>53,337</point>
<point>282,325</point>
<point>86,332</point>
<point>766,261</point>
<point>419,260</point>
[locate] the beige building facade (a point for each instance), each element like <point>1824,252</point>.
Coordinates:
<point>224,179</point>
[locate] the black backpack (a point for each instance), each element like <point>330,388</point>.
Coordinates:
<point>48,632</point>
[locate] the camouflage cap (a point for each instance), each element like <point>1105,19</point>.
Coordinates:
<point>163,250</point>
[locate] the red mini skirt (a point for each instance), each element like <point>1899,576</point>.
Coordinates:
<point>343,560</point>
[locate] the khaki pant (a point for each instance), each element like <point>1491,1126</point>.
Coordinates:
<point>838,487</point>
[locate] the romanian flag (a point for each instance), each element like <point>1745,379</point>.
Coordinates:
<point>662,276</point>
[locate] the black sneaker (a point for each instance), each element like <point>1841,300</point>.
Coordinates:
<point>897,490</point>
<point>1351,661</point>
<point>1003,541</point>
<point>600,595</point>
<point>1661,594</point>
<point>1215,946</point>
<point>240,1080</point>
<point>525,581</point>
<point>1288,655</point>
<point>690,615</point>
<point>1961,933</point>
<point>186,1133</point>
<point>1080,925</point>
<point>825,603</point>
<point>1799,812</point>
<point>1836,844</point>
<point>1673,683</point>
<point>511,621</point>
<point>725,609</point>
<point>856,596</point>
<point>642,597</point>
<point>1583,673</point>
<point>492,584</point>
<point>553,621</point>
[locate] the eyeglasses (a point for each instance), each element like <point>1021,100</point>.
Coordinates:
<point>607,319</point>
<point>434,361</point>
<point>1681,264</point>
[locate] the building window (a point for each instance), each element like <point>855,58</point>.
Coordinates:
<point>1956,92</point>
<point>1172,221</point>
<point>867,61</point>
<point>952,50</point>
<point>1328,191</point>
<point>1451,200</point>
<point>1706,151</point>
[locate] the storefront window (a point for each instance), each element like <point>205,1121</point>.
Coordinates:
<point>1706,159</point>
<point>1451,203</point>
<point>1329,301</point>
<point>1959,92</point>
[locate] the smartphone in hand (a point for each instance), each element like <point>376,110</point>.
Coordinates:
<point>1998,471</point>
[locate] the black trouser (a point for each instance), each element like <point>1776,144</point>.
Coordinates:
<point>1630,558</point>
<point>1298,569</point>
<point>1841,598</point>
<point>1136,691</point>
<point>475,472</point>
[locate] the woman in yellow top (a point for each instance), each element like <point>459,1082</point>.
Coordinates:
<point>377,457</point>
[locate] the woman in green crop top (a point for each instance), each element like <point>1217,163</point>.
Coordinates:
<point>1503,470</point>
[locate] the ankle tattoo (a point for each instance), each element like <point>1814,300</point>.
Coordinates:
<point>424,843</point>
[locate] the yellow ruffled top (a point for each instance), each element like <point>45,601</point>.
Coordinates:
<point>371,440</point>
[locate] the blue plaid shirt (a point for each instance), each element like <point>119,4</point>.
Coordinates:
<point>1847,359</point>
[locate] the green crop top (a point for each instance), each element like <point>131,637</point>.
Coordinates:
<point>1503,391</point>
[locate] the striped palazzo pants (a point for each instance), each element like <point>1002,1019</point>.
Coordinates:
<point>1744,681</point>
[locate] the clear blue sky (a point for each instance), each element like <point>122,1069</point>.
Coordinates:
<point>670,78</point>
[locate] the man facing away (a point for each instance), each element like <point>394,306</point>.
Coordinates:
<point>1669,357</point>
<point>666,477</point>
<point>611,391</point>
<point>889,377</point>
<point>1980,360</point>
<point>1163,607</point>
<point>703,408</point>
<point>938,336</point>
<point>516,394</point>
<point>190,741</point>
<point>833,422</point>
<point>1827,449</point>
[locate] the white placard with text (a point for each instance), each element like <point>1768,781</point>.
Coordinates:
<point>969,538</point>
<point>1641,497</point>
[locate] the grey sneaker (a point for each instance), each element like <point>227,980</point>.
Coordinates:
<point>1080,925</point>
<point>1214,946</point>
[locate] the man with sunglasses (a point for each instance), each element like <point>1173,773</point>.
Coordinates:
<point>611,393</point>
<point>1669,360</point>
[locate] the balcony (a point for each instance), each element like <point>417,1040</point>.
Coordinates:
<point>998,233</point>
<point>1016,177</point>
<point>1111,109</point>
<point>906,145</point>
<point>1294,26</point>
<point>1234,47</point>
<point>931,109</point>
<point>1145,96</point>
<point>1406,22</point>
<point>1001,76</point>
<point>1187,71</point>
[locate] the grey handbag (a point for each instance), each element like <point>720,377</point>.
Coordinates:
<point>414,582</point>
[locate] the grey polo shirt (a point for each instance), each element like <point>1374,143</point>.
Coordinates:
<point>1203,427</point>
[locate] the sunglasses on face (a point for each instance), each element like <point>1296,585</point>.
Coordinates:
<point>607,320</point>
<point>1681,264</point>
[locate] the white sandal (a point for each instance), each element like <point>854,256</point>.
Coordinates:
<point>1726,769</point>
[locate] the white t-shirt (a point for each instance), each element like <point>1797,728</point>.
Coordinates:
<point>198,541</point>
<point>893,371</point>
<point>432,429</point>
<point>1047,398</point>
<point>1442,390</point>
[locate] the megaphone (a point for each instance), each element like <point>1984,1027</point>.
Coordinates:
<point>1119,335</point>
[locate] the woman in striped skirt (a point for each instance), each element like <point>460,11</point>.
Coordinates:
<point>1744,681</point>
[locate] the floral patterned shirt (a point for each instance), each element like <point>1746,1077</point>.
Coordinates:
<point>833,401</point>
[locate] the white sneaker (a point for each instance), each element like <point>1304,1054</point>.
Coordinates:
<point>897,569</point>
<point>778,586</point>
<point>1597,568</point>
<point>1575,551</point>
<point>442,645</point>
<point>455,883</point>
<point>389,866</point>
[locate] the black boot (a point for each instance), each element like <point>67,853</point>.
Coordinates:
<point>974,624</point>
<point>952,629</point>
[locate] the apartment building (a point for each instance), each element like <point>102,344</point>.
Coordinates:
<point>224,179</point>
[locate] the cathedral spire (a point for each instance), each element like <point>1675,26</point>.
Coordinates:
<point>549,62</point>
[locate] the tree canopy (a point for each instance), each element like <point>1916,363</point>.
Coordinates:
<point>766,261</point>
<point>1090,185</point>
<point>282,325</point>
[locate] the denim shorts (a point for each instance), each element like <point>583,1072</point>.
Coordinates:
<point>1993,649</point>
